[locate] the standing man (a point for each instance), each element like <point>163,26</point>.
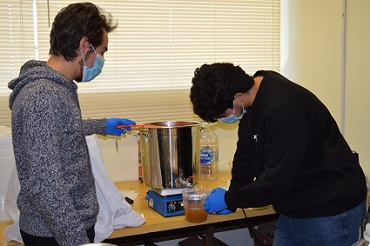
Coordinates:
<point>290,154</point>
<point>57,198</point>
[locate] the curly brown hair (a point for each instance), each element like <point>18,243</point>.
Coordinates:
<point>214,87</point>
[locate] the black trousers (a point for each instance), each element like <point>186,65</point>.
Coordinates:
<point>30,240</point>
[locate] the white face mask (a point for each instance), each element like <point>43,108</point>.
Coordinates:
<point>232,118</point>
<point>89,73</point>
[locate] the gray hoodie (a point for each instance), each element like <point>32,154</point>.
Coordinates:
<point>57,195</point>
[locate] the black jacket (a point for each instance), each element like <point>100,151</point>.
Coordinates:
<point>291,155</point>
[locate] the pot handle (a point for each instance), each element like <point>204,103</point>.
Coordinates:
<point>140,133</point>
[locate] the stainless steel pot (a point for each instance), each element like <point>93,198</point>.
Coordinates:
<point>170,154</point>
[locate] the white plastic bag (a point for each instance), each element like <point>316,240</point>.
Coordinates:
<point>7,163</point>
<point>114,211</point>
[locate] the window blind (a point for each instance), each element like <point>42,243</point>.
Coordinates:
<point>153,53</point>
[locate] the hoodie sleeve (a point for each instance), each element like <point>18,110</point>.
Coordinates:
<point>94,126</point>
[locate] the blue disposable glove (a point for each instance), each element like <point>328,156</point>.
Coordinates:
<point>215,201</point>
<point>112,123</point>
<point>226,211</point>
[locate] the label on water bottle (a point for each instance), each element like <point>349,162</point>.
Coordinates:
<point>206,155</point>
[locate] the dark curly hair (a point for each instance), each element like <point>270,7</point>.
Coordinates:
<point>214,87</point>
<point>74,22</point>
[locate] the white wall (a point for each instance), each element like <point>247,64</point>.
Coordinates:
<point>313,54</point>
<point>357,110</point>
<point>311,48</point>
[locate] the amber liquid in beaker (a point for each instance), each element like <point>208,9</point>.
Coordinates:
<point>195,213</point>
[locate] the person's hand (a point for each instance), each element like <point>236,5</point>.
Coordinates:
<point>112,123</point>
<point>215,201</point>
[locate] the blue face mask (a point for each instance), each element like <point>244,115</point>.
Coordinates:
<point>89,73</point>
<point>233,118</point>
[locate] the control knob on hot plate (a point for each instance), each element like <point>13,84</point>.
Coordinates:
<point>171,207</point>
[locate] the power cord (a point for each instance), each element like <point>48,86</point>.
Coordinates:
<point>253,232</point>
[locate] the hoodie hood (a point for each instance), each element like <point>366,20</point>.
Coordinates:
<point>34,71</point>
